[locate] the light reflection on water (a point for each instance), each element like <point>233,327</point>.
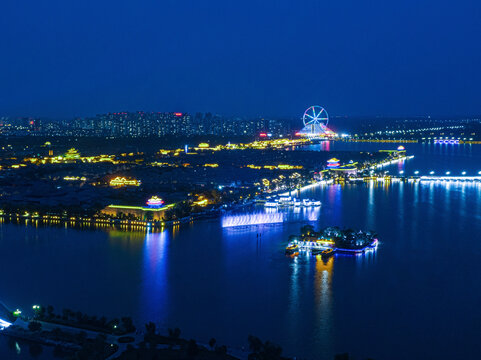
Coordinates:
<point>419,288</point>
<point>154,284</point>
<point>323,300</point>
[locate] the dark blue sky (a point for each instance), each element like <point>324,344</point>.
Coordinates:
<point>78,58</point>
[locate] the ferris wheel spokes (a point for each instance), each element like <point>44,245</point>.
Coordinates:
<point>316,115</point>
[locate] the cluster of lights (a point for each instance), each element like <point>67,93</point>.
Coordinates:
<point>452,141</point>
<point>75,178</point>
<point>155,201</point>
<point>122,181</point>
<point>412,131</point>
<point>432,172</point>
<point>275,167</point>
<point>333,163</point>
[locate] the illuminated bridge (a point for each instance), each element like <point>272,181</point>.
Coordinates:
<point>450,178</point>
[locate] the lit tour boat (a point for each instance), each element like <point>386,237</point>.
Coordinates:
<point>289,201</point>
<point>271,204</point>
<point>327,253</point>
<point>292,249</point>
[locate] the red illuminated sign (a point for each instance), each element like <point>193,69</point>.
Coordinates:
<point>178,114</point>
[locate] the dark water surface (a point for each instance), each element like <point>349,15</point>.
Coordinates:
<point>417,296</point>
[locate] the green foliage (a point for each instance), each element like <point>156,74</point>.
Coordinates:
<point>180,210</point>
<point>127,324</point>
<point>34,326</point>
<point>307,230</point>
<point>255,344</point>
<point>50,311</point>
<point>174,333</point>
<point>221,350</point>
<point>150,328</point>
<point>192,348</point>
<point>263,351</point>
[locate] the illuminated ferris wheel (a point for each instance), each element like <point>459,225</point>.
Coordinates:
<point>316,115</point>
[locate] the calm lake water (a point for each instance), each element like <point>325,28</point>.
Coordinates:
<point>416,297</point>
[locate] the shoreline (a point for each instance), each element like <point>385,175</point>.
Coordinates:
<point>160,225</point>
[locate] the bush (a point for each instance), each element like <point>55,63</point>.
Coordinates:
<point>34,326</point>
<point>221,350</point>
<point>174,333</point>
<point>192,348</point>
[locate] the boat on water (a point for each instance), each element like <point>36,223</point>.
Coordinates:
<point>310,202</point>
<point>292,249</point>
<point>291,201</point>
<point>271,204</point>
<point>306,202</point>
<point>327,253</point>
<point>316,251</point>
<point>286,201</point>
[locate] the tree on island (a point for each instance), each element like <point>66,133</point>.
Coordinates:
<point>307,230</point>
<point>212,342</point>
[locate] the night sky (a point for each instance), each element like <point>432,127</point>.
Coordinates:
<point>273,58</point>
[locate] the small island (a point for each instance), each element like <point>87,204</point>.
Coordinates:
<point>331,240</point>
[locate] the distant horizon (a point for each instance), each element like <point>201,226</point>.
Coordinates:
<point>285,117</point>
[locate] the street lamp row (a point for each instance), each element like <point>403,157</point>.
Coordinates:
<point>432,172</point>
